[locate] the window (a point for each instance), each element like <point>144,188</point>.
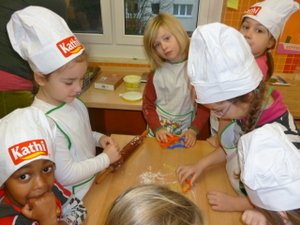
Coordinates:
<point>116,30</point>
<point>182,10</point>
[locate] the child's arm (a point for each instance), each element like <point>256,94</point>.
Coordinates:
<point>148,105</point>
<point>215,140</point>
<point>201,118</point>
<point>68,171</point>
<point>224,202</point>
<point>193,171</point>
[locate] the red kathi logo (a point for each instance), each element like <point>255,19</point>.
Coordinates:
<point>252,11</point>
<point>69,46</point>
<point>28,150</point>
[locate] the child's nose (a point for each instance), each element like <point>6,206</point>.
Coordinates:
<point>40,182</point>
<point>78,87</point>
<point>163,46</point>
<point>247,33</point>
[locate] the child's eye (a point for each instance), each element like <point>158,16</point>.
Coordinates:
<point>259,31</point>
<point>48,169</point>
<point>156,45</point>
<point>24,177</point>
<point>245,27</point>
<point>69,84</point>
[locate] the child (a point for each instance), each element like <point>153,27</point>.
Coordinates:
<point>168,102</point>
<point>227,80</point>
<point>261,26</point>
<point>270,170</point>
<point>152,205</point>
<point>60,63</point>
<point>29,193</point>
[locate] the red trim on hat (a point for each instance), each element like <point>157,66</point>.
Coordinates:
<point>252,10</point>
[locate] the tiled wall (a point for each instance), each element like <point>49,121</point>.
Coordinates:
<point>282,63</point>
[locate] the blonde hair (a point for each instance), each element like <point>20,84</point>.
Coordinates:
<point>152,205</point>
<point>173,25</point>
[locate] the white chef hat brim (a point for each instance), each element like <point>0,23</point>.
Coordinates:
<point>42,38</point>
<point>270,165</point>
<point>26,135</point>
<point>220,64</point>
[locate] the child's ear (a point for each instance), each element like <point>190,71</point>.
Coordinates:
<point>39,78</point>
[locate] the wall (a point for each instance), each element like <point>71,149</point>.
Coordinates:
<point>282,63</point>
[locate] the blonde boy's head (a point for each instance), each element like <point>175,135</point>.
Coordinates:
<point>173,25</point>
<point>26,135</point>
<point>42,38</point>
<point>152,205</point>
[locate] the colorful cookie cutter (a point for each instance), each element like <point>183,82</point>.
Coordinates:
<point>172,140</point>
<point>186,186</point>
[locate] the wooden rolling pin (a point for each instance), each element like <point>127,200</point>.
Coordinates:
<point>125,153</point>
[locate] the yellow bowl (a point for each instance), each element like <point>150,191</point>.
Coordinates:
<point>132,81</point>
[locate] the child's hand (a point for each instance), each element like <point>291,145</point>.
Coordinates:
<point>162,135</point>
<point>104,141</point>
<point>254,217</point>
<point>43,209</point>
<point>190,137</point>
<point>190,172</point>
<point>113,152</point>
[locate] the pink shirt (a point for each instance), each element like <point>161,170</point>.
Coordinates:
<point>262,63</point>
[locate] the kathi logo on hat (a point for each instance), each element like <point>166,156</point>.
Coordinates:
<point>69,46</point>
<point>252,10</point>
<point>28,150</point>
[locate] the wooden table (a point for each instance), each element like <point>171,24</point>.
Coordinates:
<point>152,164</point>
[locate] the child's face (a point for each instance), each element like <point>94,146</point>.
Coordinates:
<point>226,109</point>
<point>30,181</point>
<point>63,86</point>
<point>167,46</point>
<point>257,36</point>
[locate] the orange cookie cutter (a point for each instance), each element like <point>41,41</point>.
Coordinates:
<point>170,141</point>
<point>186,186</point>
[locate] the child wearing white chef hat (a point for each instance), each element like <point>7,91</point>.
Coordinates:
<point>261,26</point>
<point>28,190</point>
<point>59,61</point>
<point>270,170</point>
<point>227,80</point>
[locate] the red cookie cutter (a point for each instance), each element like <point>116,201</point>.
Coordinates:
<point>186,186</point>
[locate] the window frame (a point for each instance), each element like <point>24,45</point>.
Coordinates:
<point>106,37</point>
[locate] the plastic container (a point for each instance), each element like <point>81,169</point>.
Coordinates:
<point>132,81</point>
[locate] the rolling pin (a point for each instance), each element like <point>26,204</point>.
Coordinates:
<point>125,153</point>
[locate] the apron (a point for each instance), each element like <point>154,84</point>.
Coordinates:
<point>175,103</point>
<point>70,119</point>
<point>229,140</point>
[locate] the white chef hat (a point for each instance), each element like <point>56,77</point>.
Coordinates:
<point>272,14</point>
<point>26,135</point>
<point>42,38</point>
<point>270,168</point>
<point>220,64</point>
